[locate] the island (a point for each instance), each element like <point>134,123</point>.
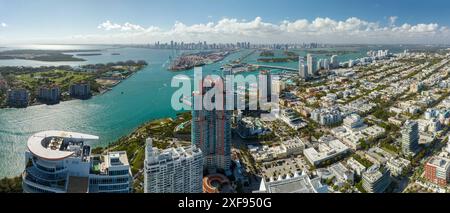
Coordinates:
<point>267,53</point>
<point>331,52</point>
<point>88,54</point>
<point>34,81</point>
<point>191,60</point>
<point>290,57</point>
<point>43,55</point>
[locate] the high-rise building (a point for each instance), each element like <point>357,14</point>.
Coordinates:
<point>326,64</point>
<point>61,162</point>
<point>334,61</point>
<point>303,69</point>
<point>311,65</point>
<point>437,170</point>
<point>410,137</point>
<point>173,170</point>
<point>18,98</point>
<point>268,86</point>
<point>49,95</point>
<point>319,64</point>
<point>81,90</point>
<point>211,132</point>
<point>376,180</point>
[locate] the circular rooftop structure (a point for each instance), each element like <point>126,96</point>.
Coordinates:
<point>213,183</point>
<point>56,145</point>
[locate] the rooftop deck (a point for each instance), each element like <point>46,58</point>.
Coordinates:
<point>57,145</point>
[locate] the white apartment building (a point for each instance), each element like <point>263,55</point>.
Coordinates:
<point>173,170</point>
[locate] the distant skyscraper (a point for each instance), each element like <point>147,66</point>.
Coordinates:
<point>319,64</point>
<point>173,170</point>
<point>211,132</point>
<point>311,65</point>
<point>410,137</point>
<point>326,64</point>
<point>268,84</point>
<point>303,69</point>
<point>334,61</point>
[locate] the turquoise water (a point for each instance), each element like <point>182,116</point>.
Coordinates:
<point>143,97</point>
<point>146,96</point>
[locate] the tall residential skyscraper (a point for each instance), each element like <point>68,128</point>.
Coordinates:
<point>311,65</point>
<point>211,132</point>
<point>410,137</point>
<point>268,85</point>
<point>303,69</point>
<point>334,62</point>
<point>173,170</point>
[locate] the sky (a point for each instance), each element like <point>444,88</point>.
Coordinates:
<point>256,21</point>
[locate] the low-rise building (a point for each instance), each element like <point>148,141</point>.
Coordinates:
<point>356,166</point>
<point>298,183</point>
<point>285,149</point>
<point>325,151</point>
<point>397,166</point>
<point>437,170</point>
<point>327,117</point>
<point>291,118</point>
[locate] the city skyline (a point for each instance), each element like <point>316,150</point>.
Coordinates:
<point>326,21</point>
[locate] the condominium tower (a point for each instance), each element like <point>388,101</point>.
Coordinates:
<point>173,170</point>
<point>211,132</point>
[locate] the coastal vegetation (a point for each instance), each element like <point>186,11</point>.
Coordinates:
<point>330,52</point>
<point>268,57</point>
<point>42,55</point>
<point>278,60</point>
<point>267,53</point>
<point>11,185</point>
<point>101,77</point>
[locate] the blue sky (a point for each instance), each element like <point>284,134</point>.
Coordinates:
<point>79,20</point>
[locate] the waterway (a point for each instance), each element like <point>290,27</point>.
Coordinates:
<point>144,96</point>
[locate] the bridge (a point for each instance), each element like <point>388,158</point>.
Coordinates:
<point>275,67</point>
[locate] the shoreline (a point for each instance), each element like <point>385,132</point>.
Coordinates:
<point>103,91</point>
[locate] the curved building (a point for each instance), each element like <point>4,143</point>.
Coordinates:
<point>61,162</point>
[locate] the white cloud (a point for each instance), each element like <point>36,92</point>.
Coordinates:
<point>3,24</point>
<point>392,20</point>
<point>127,27</point>
<point>321,29</point>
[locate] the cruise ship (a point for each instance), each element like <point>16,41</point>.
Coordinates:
<point>61,162</point>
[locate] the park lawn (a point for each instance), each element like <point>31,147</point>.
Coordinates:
<point>61,78</point>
